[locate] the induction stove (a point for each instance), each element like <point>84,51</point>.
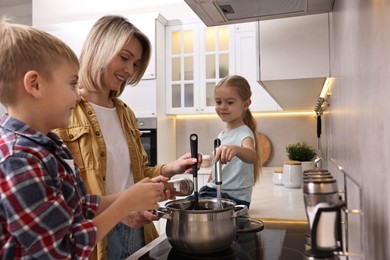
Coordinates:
<point>279,240</point>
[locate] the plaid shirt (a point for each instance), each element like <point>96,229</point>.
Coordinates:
<point>44,210</point>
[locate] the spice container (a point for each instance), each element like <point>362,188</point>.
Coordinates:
<point>277,177</point>
<point>206,161</point>
<point>179,186</point>
<point>292,174</point>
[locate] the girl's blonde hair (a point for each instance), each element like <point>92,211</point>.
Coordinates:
<point>241,85</point>
<point>24,48</point>
<point>105,40</point>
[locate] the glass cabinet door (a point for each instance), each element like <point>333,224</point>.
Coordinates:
<point>182,63</point>
<point>217,46</point>
<point>197,58</point>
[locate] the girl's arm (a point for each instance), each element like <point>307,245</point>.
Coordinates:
<point>246,152</point>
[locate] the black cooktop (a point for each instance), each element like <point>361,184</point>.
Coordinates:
<point>279,240</point>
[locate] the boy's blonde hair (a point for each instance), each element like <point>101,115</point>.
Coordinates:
<point>24,48</point>
<point>241,85</point>
<point>105,40</point>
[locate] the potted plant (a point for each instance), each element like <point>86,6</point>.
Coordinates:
<point>301,152</point>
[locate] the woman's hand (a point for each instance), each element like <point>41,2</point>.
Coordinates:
<point>181,165</point>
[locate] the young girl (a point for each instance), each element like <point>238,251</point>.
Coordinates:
<point>238,149</point>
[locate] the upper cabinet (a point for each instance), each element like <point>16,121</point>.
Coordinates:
<point>294,59</point>
<point>199,56</point>
<point>247,65</point>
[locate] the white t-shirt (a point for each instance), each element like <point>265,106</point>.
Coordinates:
<point>237,176</point>
<point>119,175</point>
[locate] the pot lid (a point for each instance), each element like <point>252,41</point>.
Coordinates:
<point>246,224</point>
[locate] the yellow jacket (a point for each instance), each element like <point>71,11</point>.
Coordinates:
<point>86,143</point>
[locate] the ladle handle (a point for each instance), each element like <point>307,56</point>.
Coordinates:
<point>194,153</point>
<point>218,166</point>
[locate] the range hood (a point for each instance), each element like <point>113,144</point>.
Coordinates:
<point>221,12</point>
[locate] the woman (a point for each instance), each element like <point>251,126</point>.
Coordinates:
<point>103,135</point>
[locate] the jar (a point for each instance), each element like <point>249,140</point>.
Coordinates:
<point>277,177</point>
<point>206,161</point>
<point>292,174</point>
<point>179,186</point>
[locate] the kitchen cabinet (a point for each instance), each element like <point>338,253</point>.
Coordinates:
<point>247,65</point>
<point>293,48</point>
<point>142,98</point>
<point>197,58</point>
<point>294,59</point>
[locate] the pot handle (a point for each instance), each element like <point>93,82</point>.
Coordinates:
<point>163,213</point>
<point>240,210</point>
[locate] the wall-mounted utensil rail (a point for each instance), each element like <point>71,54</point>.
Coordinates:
<point>347,211</point>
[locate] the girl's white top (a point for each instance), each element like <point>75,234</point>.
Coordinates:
<point>237,176</point>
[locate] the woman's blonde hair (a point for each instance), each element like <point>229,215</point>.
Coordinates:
<point>241,85</point>
<point>105,40</point>
<point>24,48</point>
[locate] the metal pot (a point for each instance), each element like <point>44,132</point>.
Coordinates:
<point>202,231</point>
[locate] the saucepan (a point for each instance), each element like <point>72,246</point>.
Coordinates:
<point>204,230</point>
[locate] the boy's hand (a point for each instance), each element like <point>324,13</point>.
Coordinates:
<point>144,195</point>
<point>138,219</point>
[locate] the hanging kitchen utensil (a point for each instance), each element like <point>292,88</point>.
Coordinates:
<point>319,149</point>
<point>218,174</point>
<point>194,154</point>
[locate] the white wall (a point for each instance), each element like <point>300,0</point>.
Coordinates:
<point>358,123</point>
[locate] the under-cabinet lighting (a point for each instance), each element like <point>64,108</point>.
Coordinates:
<point>326,87</point>
<point>255,114</point>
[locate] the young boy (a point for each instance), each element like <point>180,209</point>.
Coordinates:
<point>45,212</point>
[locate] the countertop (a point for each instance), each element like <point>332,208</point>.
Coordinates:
<point>269,200</point>
<point>275,201</point>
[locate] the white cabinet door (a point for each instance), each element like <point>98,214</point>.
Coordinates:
<point>197,58</point>
<point>294,48</point>
<point>247,66</point>
<point>182,60</point>
<point>142,98</point>
<point>72,33</point>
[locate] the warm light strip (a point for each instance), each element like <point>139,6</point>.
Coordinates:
<point>268,114</point>
<point>325,88</point>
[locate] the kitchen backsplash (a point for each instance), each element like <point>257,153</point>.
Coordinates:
<point>281,130</point>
